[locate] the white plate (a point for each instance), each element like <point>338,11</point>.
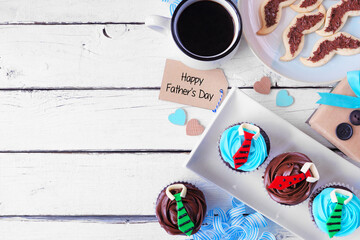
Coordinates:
<point>284,137</point>
<point>270,48</point>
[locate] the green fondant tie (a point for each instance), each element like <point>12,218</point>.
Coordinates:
<point>184,222</point>
<point>333,224</point>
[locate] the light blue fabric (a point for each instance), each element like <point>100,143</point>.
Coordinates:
<point>173,5</point>
<point>232,224</point>
<point>230,143</point>
<point>322,207</point>
<point>267,236</point>
<point>344,101</point>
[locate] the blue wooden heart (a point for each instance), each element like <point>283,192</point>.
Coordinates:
<point>178,118</point>
<point>283,99</point>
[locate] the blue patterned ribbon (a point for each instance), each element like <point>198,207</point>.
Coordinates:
<point>232,225</point>
<point>344,101</point>
<point>173,5</point>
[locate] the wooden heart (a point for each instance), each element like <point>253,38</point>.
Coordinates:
<point>178,118</point>
<point>263,86</point>
<point>194,128</point>
<point>283,99</point>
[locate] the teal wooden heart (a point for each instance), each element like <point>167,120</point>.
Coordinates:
<point>283,99</point>
<point>178,118</point>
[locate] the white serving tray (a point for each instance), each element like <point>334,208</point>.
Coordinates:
<point>284,137</point>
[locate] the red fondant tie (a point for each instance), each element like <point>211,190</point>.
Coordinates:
<point>241,156</point>
<point>282,182</point>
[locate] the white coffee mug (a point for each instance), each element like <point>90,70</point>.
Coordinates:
<point>168,26</point>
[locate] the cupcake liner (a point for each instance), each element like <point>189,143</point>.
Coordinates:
<point>319,190</point>
<point>194,187</point>
<point>268,147</point>
<point>263,169</point>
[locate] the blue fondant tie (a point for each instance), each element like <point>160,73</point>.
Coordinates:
<point>344,101</point>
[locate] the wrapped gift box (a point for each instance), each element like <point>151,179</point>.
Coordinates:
<point>326,118</point>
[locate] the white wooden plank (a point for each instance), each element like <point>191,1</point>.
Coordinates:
<point>94,184</point>
<point>19,230</point>
<point>116,120</point>
<point>80,11</point>
<point>81,56</point>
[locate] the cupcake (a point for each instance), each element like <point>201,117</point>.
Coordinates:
<point>335,210</point>
<point>181,209</point>
<point>244,147</point>
<point>290,178</point>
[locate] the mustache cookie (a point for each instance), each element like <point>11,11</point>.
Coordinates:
<point>270,14</point>
<point>306,5</point>
<point>294,34</point>
<point>340,43</point>
<point>337,16</point>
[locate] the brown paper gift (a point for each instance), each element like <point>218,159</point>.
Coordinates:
<point>326,118</point>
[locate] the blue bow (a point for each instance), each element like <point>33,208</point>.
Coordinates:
<point>344,101</point>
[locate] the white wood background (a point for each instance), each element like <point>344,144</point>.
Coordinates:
<point>85,144</point>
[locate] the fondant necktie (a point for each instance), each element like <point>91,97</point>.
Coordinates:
<point>333,224</point>
<point>241,156</point>
<point>184,222</point>
<point>282,182</point>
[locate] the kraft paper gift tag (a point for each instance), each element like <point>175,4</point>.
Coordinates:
<point>182,84</point>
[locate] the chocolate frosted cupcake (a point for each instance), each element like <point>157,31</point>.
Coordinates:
<point>181,209</point>
<point>290,178</point>
<point>335,210</point>
<point>244,147</point>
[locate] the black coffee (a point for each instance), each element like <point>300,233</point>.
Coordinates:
<point>205,28</point>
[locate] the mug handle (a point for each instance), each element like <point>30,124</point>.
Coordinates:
<point>158,23</point>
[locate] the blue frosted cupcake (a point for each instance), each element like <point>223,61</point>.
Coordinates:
<point>335,210</point>
<point>244,147</point>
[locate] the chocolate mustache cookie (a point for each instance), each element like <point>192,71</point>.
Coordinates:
<point>270,14</point>
<point>340,43</point>
<point>294,34</point>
